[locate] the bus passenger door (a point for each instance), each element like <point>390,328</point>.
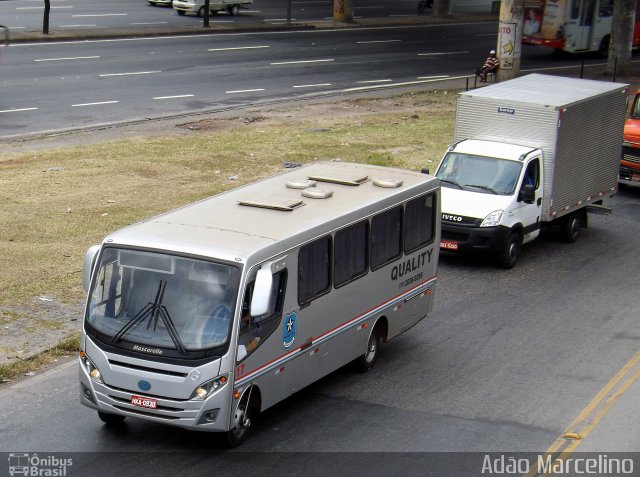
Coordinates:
<point>601,31</point>
<point>585,25</point>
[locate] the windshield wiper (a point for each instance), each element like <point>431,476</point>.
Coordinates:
<point>483,187</point>
<point>154,311</point>
<point>448,181</point>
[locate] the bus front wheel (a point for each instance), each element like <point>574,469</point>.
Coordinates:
<point>242,420</point>
<point>111,419</point>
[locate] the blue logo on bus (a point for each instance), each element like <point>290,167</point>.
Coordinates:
<point>144,385</point>
<point>289,331</point>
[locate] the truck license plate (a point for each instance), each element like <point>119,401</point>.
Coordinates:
<point>448,244</point>
<point>144,402</point>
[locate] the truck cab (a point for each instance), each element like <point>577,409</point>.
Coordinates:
<point>491,198</point>
<point>630,163</point>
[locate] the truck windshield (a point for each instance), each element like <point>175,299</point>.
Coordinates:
<point>489,175</point>
<point>162,300</point>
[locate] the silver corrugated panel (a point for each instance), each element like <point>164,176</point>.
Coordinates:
<point>579,121</point>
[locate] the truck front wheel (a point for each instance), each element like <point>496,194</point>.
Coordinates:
<point>511,251</point>
<point>234,10</point>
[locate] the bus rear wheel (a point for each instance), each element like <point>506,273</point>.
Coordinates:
<point>365,362</point>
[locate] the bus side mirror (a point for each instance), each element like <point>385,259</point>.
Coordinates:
<point>262,292</point>
<point>88,265</point>
<point>527,194</point>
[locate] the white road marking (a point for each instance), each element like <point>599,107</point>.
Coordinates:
<point>444,53</point>
<point>312,85</point>
<point>17,110</point>
<point>239,48</point>
<point>177,96</point>
<point>377,41</point>
<point>77,26</point>
<point>278,19</point>
<point>301,62</point>
<point>148,23</point>
<point>42,7</point>
<point>375,81</point>
<point>101,15</point>
<point>244,91</point>
<point>93,104</point>
<point>433,77</point>
<point>70,58</point>
<point>105,75</point>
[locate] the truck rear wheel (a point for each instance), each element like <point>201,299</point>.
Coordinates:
<point>511,251</point>
<point>571,228</point>
<point>234,10</point>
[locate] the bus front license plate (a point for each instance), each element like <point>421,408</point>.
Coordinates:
<point>144,402</point>
<point>449,245</point>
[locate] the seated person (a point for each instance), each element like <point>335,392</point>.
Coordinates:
<point>249,334</point>
<point>490,66</point>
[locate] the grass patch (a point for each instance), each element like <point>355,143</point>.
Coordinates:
<point>56,203</point>
<point>12,371</point>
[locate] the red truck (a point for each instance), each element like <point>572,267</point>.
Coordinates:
<point>630,163</point>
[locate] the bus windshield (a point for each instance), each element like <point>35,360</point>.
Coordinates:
<point>162,300</point>
<point>483,174</point>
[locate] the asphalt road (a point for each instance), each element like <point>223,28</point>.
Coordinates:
<point>505,363</point>
<point>65,85</point>
<point>27,15</point>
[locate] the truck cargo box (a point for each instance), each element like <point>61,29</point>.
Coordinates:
<point>577,123</point>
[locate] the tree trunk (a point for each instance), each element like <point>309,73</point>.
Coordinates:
<point>509,48</point>
<point>45,19</point>
<point>442,8</point>
<point>343,10</point>
<point>619,57</point>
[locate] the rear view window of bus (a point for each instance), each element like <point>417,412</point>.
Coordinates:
<point>350,253</point>
<point>386,237</point>
<point>418,223</point>
<point>314,277</point>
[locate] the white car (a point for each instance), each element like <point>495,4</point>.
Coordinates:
<point>197,6</point>
<point>163,3</point>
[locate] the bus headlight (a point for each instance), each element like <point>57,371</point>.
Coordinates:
<point>493,219</point>
<point>91,368</point>
<point>204,390</point>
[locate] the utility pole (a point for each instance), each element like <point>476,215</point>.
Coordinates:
<point>343,10</point>
<point>509,48</point>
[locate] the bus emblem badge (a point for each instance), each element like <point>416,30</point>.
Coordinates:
<point>144,385</point>
<point>289,331</point>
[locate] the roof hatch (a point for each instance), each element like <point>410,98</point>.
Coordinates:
<point>345,180</point>
<point>285,205</point>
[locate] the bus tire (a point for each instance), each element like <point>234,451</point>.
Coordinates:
<point>245,412</point>
<point>111,419</point>
<point>511,251</point>
<point>365,362</point>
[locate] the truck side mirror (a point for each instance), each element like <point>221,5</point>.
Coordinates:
<point>88,265</point>
<point>527,194</point>
<point>425,170</point>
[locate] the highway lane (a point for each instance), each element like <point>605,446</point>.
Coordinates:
<point>214,71</point>
<point>26,15</point>
<point>505,362</point>
<point>56,86</point>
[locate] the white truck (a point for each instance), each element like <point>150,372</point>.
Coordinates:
<point>529,153</point>
<point>197,6</point>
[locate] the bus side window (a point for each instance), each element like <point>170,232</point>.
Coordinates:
<point>254,330</point>
<point>418,225</point>
<point>386,237</point>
